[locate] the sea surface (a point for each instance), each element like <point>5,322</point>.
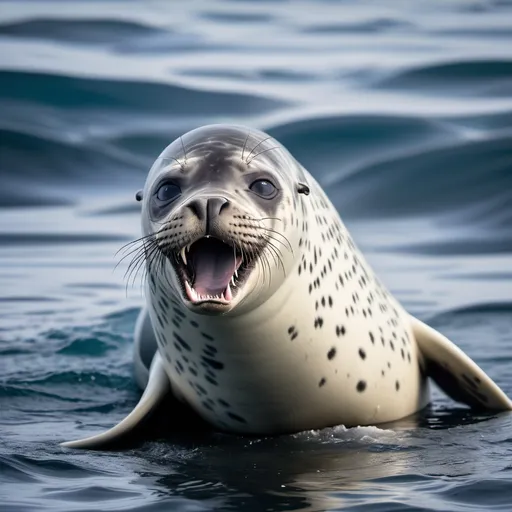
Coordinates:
<point>402,111</point>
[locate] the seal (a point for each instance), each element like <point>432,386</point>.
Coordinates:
<point>262,315</point>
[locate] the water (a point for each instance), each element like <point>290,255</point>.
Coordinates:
<point>402,110</point>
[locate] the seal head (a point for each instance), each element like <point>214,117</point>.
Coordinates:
<point>217,206</point>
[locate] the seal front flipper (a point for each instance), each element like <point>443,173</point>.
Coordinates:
<point>456,373</point>
<point>157,388</point>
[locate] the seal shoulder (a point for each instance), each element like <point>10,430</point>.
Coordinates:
<point>455,372</point>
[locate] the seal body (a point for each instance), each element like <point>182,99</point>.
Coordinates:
<point>261,313</point>
<point>327,344</point>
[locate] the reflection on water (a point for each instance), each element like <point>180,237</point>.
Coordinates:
<point>402,112</point>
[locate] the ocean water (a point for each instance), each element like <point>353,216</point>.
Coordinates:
<point>403,112</point>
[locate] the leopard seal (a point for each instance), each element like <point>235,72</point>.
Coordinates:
<point>261,313</point>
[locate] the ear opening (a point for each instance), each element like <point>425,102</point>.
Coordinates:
<point>302,188</point>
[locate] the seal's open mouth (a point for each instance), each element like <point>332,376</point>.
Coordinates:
<point>209,269</point>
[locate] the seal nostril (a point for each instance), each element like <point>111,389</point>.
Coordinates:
<point>215,206</point>
<point>198,208</point>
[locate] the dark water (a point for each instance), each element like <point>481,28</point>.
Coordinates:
<point>402,110</point>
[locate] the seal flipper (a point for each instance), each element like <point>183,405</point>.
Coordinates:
<point>456,373</point>
<point>157,388</point>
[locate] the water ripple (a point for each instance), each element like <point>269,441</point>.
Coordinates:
<point>403,113</point>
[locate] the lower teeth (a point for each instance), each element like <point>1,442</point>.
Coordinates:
<point>195,297</point>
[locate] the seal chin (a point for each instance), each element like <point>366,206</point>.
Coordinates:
<point>211,272</point>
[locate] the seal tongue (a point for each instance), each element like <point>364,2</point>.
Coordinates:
<point>213,263</point>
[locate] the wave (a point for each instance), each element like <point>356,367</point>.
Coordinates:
<point>431,182</point>
<point>327,145</point>
<point>92,31</point>
<point>473,245</point>
<point>41,239</point>
<point>116,35</point>
<point>65,91</point>
<point>368,26</point>
<point>475,309</point>
<point>43,154</point>
<point>476,78</point>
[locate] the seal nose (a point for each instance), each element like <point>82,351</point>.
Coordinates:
<point>208,210</point>
<point>214,206</point>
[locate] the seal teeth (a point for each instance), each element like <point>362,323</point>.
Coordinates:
<point>227,295</point>
<point>192,294</point>
<point>184,255</point>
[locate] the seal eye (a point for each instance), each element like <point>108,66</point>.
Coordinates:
<point>263,188</point>
<point>168,192</point>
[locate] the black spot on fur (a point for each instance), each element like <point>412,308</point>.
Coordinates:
<point>206,405</point>
<point>331,353</point>
<point>201,390</point>
<point>178,312</point>
<point>211,380</point>
<point>209,350</point>
<point>322,382</point>
<point>340,330</point>
<point>362,354</point>
<point>236,417</point>
<point>216,365</point>
<point>469,381</point>
<point>361,386</point>
<point>182,342</point>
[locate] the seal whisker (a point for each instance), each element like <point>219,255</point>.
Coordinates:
<point>133,271</point>
<point>257,145</point>
<point>278,255</point>
<point>175,159</point>
<point>261,152</point>
<point>184,152</point>
<point>264,218</point>
<point>132,252</point>
<point>137,263</point>
<point>272,253</point>
<point>288,245</point>
<point>139,255</point>
<point>146,254</point>
<point>163,269</point>
<point>142,238</point>
<point>245,143</point>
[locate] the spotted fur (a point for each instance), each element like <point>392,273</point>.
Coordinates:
<point>329,345</point>
<point>312,339</point>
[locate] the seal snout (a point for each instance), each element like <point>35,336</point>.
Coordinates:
<point>208,209</point>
